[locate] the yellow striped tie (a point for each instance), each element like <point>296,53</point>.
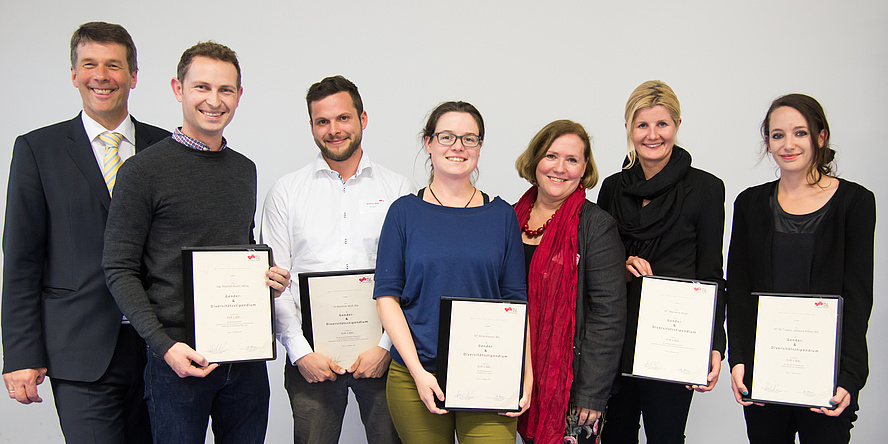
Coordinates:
<point>111,162</point>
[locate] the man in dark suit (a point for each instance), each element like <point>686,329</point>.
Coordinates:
<point>58,317</point>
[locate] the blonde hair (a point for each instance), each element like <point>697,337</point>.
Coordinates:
<point>648,95</point>
<point>527,162</point>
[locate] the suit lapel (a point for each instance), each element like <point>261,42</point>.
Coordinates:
<point>79,147</point>
<point>143,137</point>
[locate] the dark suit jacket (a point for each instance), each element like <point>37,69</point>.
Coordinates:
<point>57,311</point>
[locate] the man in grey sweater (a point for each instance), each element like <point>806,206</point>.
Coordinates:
<point>185,191</point>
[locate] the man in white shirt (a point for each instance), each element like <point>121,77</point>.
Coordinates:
<point>326,217</point>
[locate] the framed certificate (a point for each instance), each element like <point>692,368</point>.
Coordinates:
<point>481,345</point>
<point>229,308</point>
<point>797,349</point>
<point>339,317</point>
<point>674,336</point>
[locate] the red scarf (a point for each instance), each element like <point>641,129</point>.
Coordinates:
<point>552,300</point>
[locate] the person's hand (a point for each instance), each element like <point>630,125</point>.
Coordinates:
<point>278,279</point>
<point>524,402</point>
<point>316,367</point>
<point>712,377</point>
<point>841,400</point>
<point>638,267</point>
<point>587,416</point>
<point>428,388</point>
<point>187,362</point>
<point>371,363</point>
<point>21,385</point>
<point>738,387</point>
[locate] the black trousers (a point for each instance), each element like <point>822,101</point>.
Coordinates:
<point>665,407</point>
<point>778,424</point>
<point>111,409</point>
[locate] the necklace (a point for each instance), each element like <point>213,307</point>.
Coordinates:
<point>534,233</point>
<point>439,201</point>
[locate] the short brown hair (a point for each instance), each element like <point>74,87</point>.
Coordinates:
<point>209,49</point>
<point>101,32</point>
<point>527,162</point>
<point>333,85</point>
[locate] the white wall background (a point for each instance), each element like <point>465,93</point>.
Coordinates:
<point>523,64</point>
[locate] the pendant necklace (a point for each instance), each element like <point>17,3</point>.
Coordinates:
<point>467,203</point>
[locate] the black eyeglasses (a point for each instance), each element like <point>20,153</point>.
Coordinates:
<point>449,139</point>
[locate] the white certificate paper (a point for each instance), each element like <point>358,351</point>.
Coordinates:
<point>485,355</point>
<point>675,322</point>
<point>232,306</point>
<point>796,349</point>
<point>339,314</point>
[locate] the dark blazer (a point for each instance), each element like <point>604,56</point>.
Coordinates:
<point>843,265</point>
<point>601,308</point>
<point>57,311</point>
<point>691,248</point>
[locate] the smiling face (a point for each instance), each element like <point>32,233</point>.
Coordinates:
<point>454,161</point>
<point>790,141</point>
<point>559,172</point>
<point>209,96</point>
<point>653,135</point>
<point>104,79</point>
<point>336,126</point>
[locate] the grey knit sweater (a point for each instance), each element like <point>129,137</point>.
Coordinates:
<point>168,197</point>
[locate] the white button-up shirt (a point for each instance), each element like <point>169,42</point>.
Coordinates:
<point>315,220</point>
<point>94,129</point>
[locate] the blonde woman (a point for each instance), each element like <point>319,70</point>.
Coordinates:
<point>671,218</point>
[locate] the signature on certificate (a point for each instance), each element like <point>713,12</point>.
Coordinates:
<point>773,388</point>
<point>465,396</point>
<point>653,365</point>
<point>217,349</point>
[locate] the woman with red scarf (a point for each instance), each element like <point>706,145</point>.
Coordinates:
<point>576,288</point>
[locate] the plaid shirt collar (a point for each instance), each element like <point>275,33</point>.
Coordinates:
<point>180,137</point>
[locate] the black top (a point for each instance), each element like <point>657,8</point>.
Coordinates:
<point>528,255</point>
<point>842,265</point>
<point>793,249</point>
<point>690,248</point>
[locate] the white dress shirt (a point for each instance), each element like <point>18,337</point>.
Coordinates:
<point>127,146</point>
<point>314,220</point>
<point>125,150</point>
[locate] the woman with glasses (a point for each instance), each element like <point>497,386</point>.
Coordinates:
<point>450,239</point>
<point>576,287</point>
<point>671,218</point>
<point>807,232</point>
